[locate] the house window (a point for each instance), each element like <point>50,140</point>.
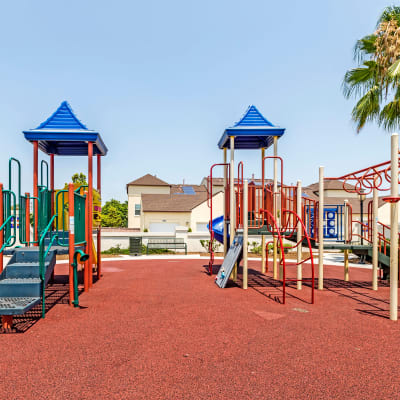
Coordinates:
<point>137,209</point>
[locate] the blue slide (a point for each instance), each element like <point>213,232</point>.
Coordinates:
<point>218,228</point>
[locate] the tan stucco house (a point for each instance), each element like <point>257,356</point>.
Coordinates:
<point>157,206</point>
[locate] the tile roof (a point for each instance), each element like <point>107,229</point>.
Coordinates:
<point>148,180</point>
<point>172,202</point>
<point>331,185</point>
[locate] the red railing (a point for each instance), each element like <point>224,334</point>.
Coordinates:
<point>210,205</point>
<point>278,234</point>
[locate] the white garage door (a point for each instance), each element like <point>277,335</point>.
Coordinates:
<point>162,227</point>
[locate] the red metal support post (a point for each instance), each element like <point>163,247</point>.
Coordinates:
<point>90,211</point>
<point>86,265</point>
<point>1,223</point>
<point>35,188</point>
<point>52,182</point>
<point>71,247</point>
<point>99,227</point>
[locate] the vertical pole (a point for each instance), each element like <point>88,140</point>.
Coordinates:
<point>394,228</point>
<point>52,182</point>
<point>346,239</point>
<point>245,231</point>
<point>99,228</point>
<point>71,246</point>
<point>90,211</point>
<point>375,240</point>
<point>321,230</point>
<point>299,237</point>
<point>86,265</point>
<point>35,189</point>
<point>225,208</point>
<point>27,219</point>
<point>263,236</point>
<point>232,207</point>
<point>1,223</point>
<point>275,205</point>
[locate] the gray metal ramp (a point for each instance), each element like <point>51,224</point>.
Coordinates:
<point>234,255</point>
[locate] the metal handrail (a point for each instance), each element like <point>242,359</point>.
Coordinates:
<point>44,162</point>
<point>42,256</point>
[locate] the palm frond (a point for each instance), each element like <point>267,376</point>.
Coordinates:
<point>364,48</point>
<point>389,116</point>
<point>389,13</point>
<point>358,81</point>
<point>367,108</point>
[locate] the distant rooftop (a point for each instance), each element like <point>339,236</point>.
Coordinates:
<point>148,180</point>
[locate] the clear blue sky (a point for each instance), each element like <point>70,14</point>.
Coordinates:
<point>162,79</point>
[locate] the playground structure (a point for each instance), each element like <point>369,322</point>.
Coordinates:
<point>271,209</point>
<point>280,212</point>
<point>35,228</point>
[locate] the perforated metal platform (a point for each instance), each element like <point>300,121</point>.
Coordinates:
<point>17,305</point>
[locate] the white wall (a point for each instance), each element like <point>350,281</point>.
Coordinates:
<point>177,218</point>
<point>135,197</point>
<point>201,213</point>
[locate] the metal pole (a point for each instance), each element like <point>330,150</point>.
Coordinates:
<point>52,182</point>
<point>99,227</point>
<point>299,237</point>
<point>245,231</point>
<point>232,207</point>
<point>394,228</point>
<point>346,239</point>
<point>71,246</point>
<point>27,220</point>
<point>225,207</point>
<point>1,223</point>
<point>263,236</point>
<point>275,211</point>
<point>35,189</point>
<point>90,211</point>
<point>321,230</point>
<point>87,238</point>
<point>375,240</point>
<point>361,219</point>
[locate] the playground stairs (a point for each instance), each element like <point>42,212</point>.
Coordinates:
<point>20,281</point>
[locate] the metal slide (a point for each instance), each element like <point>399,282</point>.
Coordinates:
<point>233,256</point>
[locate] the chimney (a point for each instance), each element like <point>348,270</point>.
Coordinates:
<point>183,182</point>
<point>252,176</point>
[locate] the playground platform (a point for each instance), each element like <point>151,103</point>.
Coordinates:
<point>158,329</point>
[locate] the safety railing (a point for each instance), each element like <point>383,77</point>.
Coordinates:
<point>280,233</point>
<point>79,218</point>
<point>43,253</point>
<point>210,205</point>
<point>310,217</point>
<point>42,164</point>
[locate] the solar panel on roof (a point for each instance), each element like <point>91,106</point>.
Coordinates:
<point>188,190</point>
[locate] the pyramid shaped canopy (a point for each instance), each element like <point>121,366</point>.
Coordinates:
<point>63,134</point>
<point>253,131</point>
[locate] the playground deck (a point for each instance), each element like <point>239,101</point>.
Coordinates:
<point>161,329</point>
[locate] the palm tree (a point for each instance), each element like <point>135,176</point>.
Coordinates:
<point>376,82</point>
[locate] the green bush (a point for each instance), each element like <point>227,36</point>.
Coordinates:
<point>155,251</point>
<point>116,250</point>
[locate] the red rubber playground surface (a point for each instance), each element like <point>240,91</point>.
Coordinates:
<point>161,329</point>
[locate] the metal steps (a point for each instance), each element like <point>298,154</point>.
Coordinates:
<point>17,305</point>
<point>20,282</point>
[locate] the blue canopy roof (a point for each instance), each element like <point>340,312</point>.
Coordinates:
<point>253,131</point>
<point>63,134</point>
